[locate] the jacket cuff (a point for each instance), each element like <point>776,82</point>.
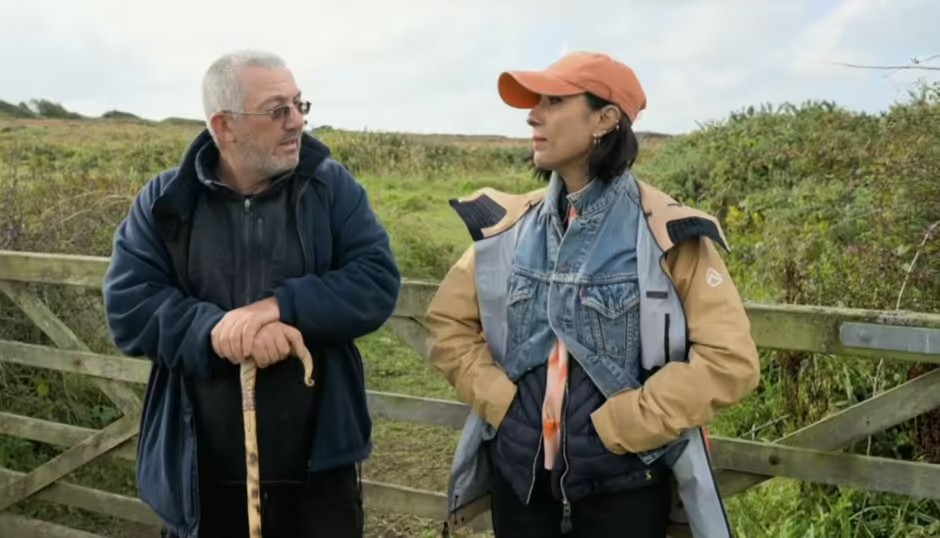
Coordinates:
<point>211,365</point>
<point>495,402</point>
<point>285,304</point>
<point>619,424</point>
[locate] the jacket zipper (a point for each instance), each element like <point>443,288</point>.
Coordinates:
<point>300,232</point>
<point>666,340</point>
<point>308,267</point>
<point>675,291</point>
<point>259,240</point>
<point>535,463</point>
<point>248,251</point>
<point>566,525</point>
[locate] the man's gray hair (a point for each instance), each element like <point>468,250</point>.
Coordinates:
<point>221,89</point>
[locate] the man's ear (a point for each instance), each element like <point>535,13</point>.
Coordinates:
<point>222,127</point>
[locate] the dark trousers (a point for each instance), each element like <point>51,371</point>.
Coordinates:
<point>640,513</point>
<point>330,506</point>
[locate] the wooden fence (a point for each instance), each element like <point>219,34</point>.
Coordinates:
<point>810,454</point>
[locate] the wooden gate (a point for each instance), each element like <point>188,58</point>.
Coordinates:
<point>811,454</point>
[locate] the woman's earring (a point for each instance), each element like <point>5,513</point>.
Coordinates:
<point>597,138</point>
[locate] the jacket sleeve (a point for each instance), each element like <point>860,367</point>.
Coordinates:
<point>358,294</point>
<point>722,368</point>
<point>458,349</point>
<point>147,312</point>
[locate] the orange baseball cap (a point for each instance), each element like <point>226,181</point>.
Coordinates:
<point>574,73</point>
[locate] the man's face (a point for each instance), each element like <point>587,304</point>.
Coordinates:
<point>267,145</point>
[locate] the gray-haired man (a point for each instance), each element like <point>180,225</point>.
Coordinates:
<point>257,239</point>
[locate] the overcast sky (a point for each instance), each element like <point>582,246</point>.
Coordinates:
<point>432,65</point>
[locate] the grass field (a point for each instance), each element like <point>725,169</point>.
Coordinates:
<point>66,184</point>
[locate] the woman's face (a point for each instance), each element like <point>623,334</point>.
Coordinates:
<point>562,131</point>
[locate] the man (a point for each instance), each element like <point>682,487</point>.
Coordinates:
<point>257,243</point>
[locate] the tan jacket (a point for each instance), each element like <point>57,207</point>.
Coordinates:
<point>723,363</point>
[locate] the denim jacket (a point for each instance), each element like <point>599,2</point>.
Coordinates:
<point>639,295</point>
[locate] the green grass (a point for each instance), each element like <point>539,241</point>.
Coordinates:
<point>821,206</point>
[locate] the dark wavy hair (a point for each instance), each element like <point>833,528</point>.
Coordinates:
<point>616,151</point>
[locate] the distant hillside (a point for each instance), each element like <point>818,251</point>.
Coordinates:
<point>465,140</point>
<point>9,110</point>
<point>36,108</point>
<point>45,109</point>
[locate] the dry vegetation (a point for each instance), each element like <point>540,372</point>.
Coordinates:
<point>822,206</point>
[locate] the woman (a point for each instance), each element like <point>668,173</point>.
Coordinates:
<point>592,327</point>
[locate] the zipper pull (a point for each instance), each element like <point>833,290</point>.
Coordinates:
<point>566,526</point>
<point>247,205</point>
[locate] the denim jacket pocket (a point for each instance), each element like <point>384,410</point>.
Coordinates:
<point>519,302</point>
<point>613,315</point>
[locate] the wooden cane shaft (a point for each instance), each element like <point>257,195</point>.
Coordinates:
<point>249,375</point>
<point>249,372</point>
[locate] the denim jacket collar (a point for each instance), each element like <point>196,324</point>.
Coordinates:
<point>594,197</point>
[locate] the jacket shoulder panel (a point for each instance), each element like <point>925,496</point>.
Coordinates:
<point>488,212</point>
<point>672,222</point>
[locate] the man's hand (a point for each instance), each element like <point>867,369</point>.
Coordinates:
<point>275,342</point>
<point>233,337</point>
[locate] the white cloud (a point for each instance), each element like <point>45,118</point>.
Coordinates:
<point>425,65</point>
<point>869,32</point>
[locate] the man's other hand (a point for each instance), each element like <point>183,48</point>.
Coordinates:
<point>275,342</point>
<point>234,336</point>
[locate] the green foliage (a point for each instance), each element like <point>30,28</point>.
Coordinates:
<point>9,110</point>
<point>119,115</point>
<point>821,206</point>
<point>391,153</point>
<point>48,109</point>
<point>840,200</point>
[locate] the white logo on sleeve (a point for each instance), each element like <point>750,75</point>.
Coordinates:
<point>713,277</point>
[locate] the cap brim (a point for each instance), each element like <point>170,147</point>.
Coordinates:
<point>523,89</point>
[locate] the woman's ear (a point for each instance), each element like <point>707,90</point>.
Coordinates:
<point>609,119</point>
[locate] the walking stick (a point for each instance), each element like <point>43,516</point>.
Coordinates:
<point>249,372</point>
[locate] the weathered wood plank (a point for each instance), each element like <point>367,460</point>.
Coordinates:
<point>795,327</point>
<point>76,362</point>
<point>921,480</point>
<point>85,271</point>
<point>878,413</point>
<point>87,450</point>
<point>89,271</point>
<point>382,404</point>
<point>42,316</point>
<point>432,505</point>
<point>123,396</point>
<point>394,498</point>
<point>414,298</point>
<point>817,329</point>
<point>93,500</point>
<point>792,327</point>
<point>888,409</point>
<point>411,333</point>
<point>16,526</point>
<point>866,418</point>
<point>55,433</point>
<point>883,338</point>
<point>430,411</point>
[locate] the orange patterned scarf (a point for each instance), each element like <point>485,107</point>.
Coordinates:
<point>555,393</point>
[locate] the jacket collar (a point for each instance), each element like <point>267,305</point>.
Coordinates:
<point>178,197</point>
<point>594,197</point>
